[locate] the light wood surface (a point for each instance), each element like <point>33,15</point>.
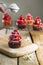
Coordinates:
<point>32,60</point>
<point>5,60</point>
<point>37,37</point>
<point>26,45</point>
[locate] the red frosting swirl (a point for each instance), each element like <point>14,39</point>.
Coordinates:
<point>6,19</point>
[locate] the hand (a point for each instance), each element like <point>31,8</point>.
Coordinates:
<point>2,9</point>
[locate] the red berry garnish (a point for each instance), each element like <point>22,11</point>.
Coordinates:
<point>37,21</point>
<point>15,36</point>
<point>12,33</point>
<point>6,19</point>
<point>21,20</point>
<point>21,17</point>
<point>15,31</point>
<point>29,16</point>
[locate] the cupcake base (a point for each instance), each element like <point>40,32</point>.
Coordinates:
<point>14,44</point>
<point>37,28</point>
<point>21,26</point>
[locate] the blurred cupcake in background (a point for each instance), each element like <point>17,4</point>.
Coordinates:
<point>21,22</point>
<point>6,20</point>
<point>37,24</point>
<point>29,20</point>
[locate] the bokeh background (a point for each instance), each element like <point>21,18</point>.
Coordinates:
<point>35,7</point>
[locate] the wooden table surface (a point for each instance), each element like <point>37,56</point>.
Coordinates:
<point>37,37</point>
<point>26,45</point>
<point>29,59</point>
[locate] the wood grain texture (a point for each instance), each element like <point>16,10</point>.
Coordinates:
<point>37,37</point>
<point>26,45</point>
<point>5,60</point>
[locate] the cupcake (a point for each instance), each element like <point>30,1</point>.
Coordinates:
<point>14,39</point>
<point>21,23</point>
<point>37,24</point>
<point>29,20</point>
<point>6,19</point>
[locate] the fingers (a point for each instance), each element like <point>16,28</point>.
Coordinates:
<point>2,9</point>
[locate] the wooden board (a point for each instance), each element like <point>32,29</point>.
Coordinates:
<point>26,45</point>
<point>37,37</point>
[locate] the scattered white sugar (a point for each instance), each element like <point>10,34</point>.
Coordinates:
<point>27,39</point>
